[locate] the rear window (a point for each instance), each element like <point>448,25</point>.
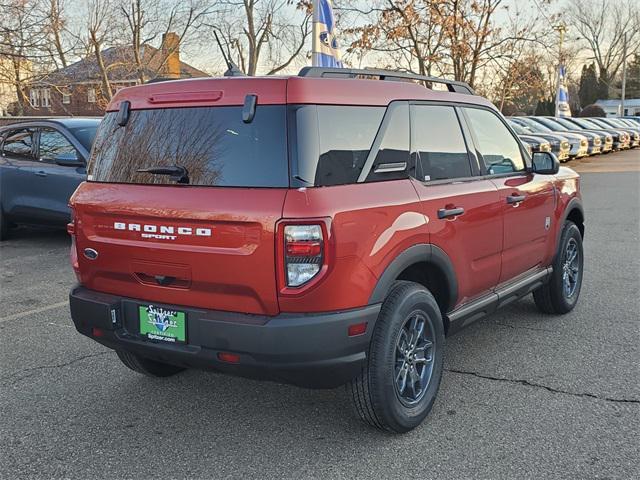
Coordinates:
<point>213,143</point>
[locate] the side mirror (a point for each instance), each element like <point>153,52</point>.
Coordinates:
<point>545,163</point>
<point>68,160</point>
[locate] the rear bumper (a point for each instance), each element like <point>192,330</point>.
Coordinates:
<point>309,350</point>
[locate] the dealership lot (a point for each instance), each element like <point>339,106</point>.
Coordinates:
<point>523,394</point>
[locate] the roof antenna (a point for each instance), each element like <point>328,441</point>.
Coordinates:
<point>232,68</point>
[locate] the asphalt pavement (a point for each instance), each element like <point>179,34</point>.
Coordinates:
<point>524,395</point>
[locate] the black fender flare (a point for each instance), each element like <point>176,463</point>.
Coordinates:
<point>424,252</point>
<point>574,204</point>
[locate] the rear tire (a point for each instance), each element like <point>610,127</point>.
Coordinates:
<point>4,226</point>
<point>560,294</point>
<point>397,387</point>
<point>147,367</point>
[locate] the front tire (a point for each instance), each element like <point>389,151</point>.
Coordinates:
<point>397,387</point>
<point>560,294</point>
<point>147,367</point>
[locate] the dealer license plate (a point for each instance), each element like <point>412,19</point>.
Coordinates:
<point>162,324</point>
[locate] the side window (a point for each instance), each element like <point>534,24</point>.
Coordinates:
<point>392,160</point>
<point>346,136</point>
<point>499,149</point>
<point>55,145</point>
<point>437,140</point>
<point>19,143</point>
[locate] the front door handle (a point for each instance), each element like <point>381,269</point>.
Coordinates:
<point>40,173</point>
<point>515,198</point>
<point>450,212</point>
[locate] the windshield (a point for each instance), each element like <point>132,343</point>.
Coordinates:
<point>586,124</point>
<point>535,126</point>
<point>213,144</point>
<point>520,129</point>
<point>553,123</point>
<point>85,135</point>
<point>566,123</point>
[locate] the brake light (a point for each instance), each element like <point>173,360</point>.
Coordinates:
<point>303,253</point>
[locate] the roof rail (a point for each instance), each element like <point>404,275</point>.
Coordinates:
<point>323,72</point>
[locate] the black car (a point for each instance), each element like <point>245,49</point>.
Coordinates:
<point>41,164</point>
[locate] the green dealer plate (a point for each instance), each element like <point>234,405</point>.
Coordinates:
<point>162,324</point>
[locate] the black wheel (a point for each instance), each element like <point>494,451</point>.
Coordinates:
<point>396,389</point>
<point>147,367</point>
<point>4,226</point>
<point>561,293</point>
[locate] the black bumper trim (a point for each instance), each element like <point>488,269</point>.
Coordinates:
<point>311,350</point>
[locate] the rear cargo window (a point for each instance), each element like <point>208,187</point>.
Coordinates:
<point>213,143</point>
<point>332,142</point>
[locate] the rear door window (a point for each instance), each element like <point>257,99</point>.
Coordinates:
<point>19,144</point>
<point>213,143</point>
<point>438,143</point>
<point>332,142</point>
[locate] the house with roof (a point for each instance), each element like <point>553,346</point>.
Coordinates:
<point>78,89</point>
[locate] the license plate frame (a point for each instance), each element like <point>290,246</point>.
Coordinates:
<point>162,324</point>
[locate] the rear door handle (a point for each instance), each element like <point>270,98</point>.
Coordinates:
<point>450,212</point>
<point>515,198</point>
<point>41,173</point>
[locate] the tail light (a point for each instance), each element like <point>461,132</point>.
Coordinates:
<point>71,229</point>
<point>304,253</point>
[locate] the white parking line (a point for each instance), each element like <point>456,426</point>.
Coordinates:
<point>35,310</point>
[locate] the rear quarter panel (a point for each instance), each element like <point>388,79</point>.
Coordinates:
<point>371,224</point>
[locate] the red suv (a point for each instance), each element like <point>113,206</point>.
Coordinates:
<point>322,229</point>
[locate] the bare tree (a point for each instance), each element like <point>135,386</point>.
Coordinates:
<point>603,24</point>
<point>148,19</point>
<point>100,21</point>
<point>251,27</point>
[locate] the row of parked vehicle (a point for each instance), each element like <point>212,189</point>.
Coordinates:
<point>570,138</point>
<point>42,162</point>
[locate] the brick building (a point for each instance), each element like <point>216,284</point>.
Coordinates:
<point>77,89</point>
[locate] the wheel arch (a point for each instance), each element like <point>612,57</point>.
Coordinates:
<point>427,265</point>
<point>574,211</point>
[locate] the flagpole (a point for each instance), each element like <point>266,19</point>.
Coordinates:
<point>315,48</point>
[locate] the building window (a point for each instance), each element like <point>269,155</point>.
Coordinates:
<point>66,98</point>
<point>45,95</point>
<point>91,95</point>
<point>34,98</point>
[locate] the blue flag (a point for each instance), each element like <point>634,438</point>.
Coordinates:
<point>326,52</point>
<point>562,96</point>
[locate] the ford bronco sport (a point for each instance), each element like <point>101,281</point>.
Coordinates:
<point>322,229</point>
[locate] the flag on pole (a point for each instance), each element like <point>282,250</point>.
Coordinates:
<point>326,52</point>
<point>562,96</point>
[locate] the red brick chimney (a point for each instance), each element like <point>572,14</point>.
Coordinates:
<point>171,55</point>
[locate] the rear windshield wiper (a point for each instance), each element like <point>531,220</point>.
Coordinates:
<point>178,173</point>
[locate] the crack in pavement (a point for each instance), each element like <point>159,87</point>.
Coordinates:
<point>33,370</point>
<point>539,385</point>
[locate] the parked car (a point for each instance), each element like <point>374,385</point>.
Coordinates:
<point>633,118</point>
<point>579,143</point>
<point>634,132</point>
<point>557,144</point>
<point>599,141</point>
<point>293,229</point>
<point>41,164</point>
<point>621,139</point>
<point>608,138</point>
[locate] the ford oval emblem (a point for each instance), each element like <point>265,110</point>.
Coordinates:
<point>90,253</point>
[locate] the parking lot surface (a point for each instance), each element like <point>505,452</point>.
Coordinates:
<point>524,395</point>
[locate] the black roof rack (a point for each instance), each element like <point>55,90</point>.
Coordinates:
<point>323,72</point>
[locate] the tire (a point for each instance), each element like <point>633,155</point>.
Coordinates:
<point>558,296</point>
<point>4,226</point>
<point>147,367</point>
<point>375,392</point>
